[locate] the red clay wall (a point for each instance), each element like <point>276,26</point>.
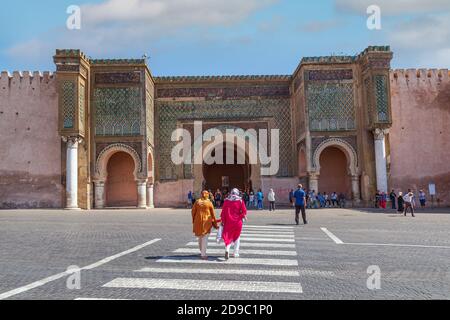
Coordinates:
<point>30,147</point>
<point>420,136</point>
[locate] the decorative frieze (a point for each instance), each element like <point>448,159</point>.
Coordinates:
<point>118,78</point>
<point>236,92</point>
<point>329,75</point>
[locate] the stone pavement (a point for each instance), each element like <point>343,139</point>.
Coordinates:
<point>132,254</point>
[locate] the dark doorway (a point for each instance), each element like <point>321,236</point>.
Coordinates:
<point>227,176</point>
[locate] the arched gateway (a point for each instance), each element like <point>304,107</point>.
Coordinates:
<point>117,179</point>
<point>335,168</point>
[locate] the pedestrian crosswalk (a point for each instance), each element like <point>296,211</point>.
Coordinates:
<point>267,253</point>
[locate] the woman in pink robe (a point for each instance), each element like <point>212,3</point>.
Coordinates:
<point>233,214</point>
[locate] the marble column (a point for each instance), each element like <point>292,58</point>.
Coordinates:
<point>314,182</point>
<point>72,173</point>
<point>150,192</point>
<point>355,188</point>
<point>99,194</point>
<point>142,194</point>
<point>380,159</point>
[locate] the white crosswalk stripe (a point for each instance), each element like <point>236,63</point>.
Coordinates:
<point>262,235</point>
<point>248,245</point>
<point>253,272</point>
<point>243,252</point>
<point>243,261</point>
<point>275,246</point>
<point>268,227</point>
<point>183,284</point>
<point>243,238</point>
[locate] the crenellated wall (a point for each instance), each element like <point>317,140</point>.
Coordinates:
<point>420,135</point>
<point>30,148</point>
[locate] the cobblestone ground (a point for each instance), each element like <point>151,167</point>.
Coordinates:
<point>326,259</point>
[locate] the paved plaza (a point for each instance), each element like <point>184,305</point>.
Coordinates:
<point>132,254</point>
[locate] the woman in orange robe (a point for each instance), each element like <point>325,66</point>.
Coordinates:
<point>203,219</point>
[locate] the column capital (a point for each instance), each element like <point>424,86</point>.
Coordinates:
<point>313,175</point>
<point>72,140</point>
<point>142,181</point>
<point>379,133</point>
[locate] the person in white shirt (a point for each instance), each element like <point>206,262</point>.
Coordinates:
<point>409,202</point>
<point>271,198</point>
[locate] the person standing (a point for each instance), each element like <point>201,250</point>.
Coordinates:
<point>260,198</point>
<point>233,213</point>
<point>246,198</point>
<point>422,198</point>
<point>393,198</point>
<point>341,199</point>
<point>409,202</point>
<point>252,200</point>
<point>218,198</point>
<point>300,202</point>
<point>271,198</point>
<point>203,220</point>
<point>400,202</point>
<point>327,200</point>
<point>190,198</point>
<point>383,200</point>
<point>334,199</point>
<point>377,199</point>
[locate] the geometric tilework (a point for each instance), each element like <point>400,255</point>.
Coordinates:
<point>382,98</point>
<point>118,111</point>
<point>369,104</point>
<point>248,110</point>
<point>81,101</point>
<point>68,104</point>
<point>330,106</point>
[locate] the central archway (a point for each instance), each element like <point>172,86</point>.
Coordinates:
<point>227,176</point>
<point>333,173</point>
<point>120,184</point>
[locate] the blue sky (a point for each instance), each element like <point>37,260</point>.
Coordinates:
<point>205,37</point>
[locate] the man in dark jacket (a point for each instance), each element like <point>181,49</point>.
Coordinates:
<point>393,197</point>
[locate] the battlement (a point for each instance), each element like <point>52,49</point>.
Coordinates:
<point>25,79</point>
<point>420,74</point>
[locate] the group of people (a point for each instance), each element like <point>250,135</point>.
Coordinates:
<point>322,200</point>
<point>234,213</point>
<point>401,202</point>
<point>252,200</point>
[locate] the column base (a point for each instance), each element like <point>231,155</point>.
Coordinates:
<point>72,209</point>
<point>151,207</point>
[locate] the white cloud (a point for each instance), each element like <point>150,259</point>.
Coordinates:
<point>427,38</point>
<point>172,13</point>
<point>394,7</point>
<point>113,27</point>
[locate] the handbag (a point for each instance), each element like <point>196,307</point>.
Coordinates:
<point>219,234</point>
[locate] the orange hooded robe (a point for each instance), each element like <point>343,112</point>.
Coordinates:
<point>203,217</point>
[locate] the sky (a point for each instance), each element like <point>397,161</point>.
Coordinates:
<point>223,37</point>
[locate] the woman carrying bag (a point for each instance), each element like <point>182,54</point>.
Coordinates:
<point>233,213</point>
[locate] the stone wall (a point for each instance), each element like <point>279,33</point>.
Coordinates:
<point>30,147</point>
<point>420,136</point>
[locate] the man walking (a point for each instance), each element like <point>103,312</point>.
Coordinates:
<point>300,202</point>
